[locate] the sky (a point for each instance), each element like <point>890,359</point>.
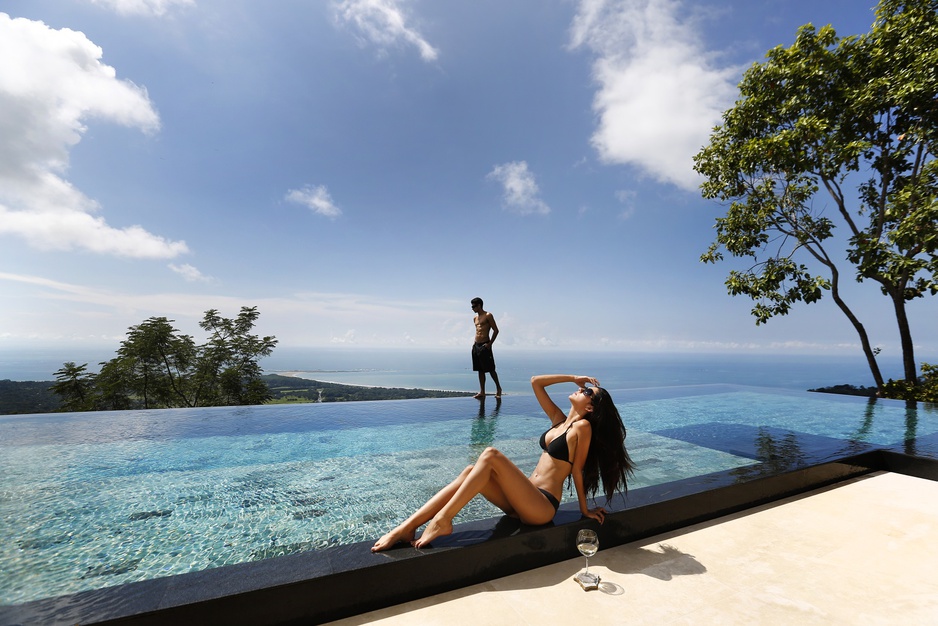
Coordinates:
<point>358,170</point>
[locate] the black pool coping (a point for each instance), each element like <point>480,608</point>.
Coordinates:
<point>321,586</point>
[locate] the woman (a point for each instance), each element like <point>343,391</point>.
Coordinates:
<point>587,443</point>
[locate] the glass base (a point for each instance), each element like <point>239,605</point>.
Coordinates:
<point>587,581</point>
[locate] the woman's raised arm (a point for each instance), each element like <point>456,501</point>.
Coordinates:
<point>541,382</point>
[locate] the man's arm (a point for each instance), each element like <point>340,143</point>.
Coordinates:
<point>494,328</point>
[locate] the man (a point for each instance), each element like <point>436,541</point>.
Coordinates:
<point>483,361</point>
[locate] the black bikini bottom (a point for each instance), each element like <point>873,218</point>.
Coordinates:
<point>554,502</point>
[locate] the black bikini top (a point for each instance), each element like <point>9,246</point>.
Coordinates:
<point>558,447</point>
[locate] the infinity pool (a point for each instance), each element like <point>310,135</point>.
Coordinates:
<point>90,500</point>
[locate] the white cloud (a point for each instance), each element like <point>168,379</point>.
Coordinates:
<point>51,81</point>
<point>660,92</point>
<point>317,199</point>
<point>55,285</point>
<point>627,198</point>
<point>347,338</point>
<point>383,23</point>
<point>521,193</point>
<point>39,311</point>
<point>48,309</point>
<point>143,7</point>
<point>189,273</point>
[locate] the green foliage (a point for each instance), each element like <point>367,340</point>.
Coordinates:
<point>848,390</point>
<point>229,372</point>
<point>19,397</point>
<point>820,116</point>
<point>158,367</point>
<point>113,386</point>
<point>74,386</point>
<point>37,397</point>
<point>155,363</point>
<point>925,389</point>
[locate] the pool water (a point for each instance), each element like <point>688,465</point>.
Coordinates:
<point>90,500</point>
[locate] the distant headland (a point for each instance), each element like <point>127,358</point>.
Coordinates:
<point>26,397</point>
<point>848,390</point>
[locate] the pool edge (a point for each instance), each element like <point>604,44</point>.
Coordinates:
<point>316,587</point>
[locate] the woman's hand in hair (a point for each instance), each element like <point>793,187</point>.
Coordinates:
<point>581,381</point>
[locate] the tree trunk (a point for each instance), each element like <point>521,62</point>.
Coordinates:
<point>905,337</point>
<point>861,331</point>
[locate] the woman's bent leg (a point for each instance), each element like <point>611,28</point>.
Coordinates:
<point>408,528</point>
<point>502,483</point>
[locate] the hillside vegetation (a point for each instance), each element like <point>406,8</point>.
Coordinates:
<point>19,397</point>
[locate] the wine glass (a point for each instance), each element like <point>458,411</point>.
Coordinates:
<point>588,544</point>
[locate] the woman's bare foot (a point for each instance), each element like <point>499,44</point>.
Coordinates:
<point>479,395</point>
<point>392,538</point>
<point>436,528</point>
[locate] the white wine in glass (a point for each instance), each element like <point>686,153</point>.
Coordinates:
<point>588,544</point>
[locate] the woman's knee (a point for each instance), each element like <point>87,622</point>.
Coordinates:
<point>489,454</point>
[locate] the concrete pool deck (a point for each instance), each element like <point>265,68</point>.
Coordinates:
<point>858,552</point>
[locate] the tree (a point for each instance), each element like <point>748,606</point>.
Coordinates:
<point>228,364</point>
<point>158,367</point>
<point>926,390</point>
<point>113,386</point>
<point>159,362</point>
<point>827,114</point>
<point>75,387</point>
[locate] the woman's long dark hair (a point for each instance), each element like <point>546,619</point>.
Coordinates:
<point>607,458</point>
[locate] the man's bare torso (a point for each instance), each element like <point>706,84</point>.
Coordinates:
<point>483,327</point>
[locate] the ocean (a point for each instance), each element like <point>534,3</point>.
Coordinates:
<point>452,370</point>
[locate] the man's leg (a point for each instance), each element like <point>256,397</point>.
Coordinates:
<point>498,387</point>
<point>481,393</point>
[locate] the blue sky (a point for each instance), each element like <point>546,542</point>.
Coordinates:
<point>360,169</point>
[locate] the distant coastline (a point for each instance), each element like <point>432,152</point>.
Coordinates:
<point>848,390</point>
<point>300,374</point>
<point>288,389</point>
<point>35,397</point>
